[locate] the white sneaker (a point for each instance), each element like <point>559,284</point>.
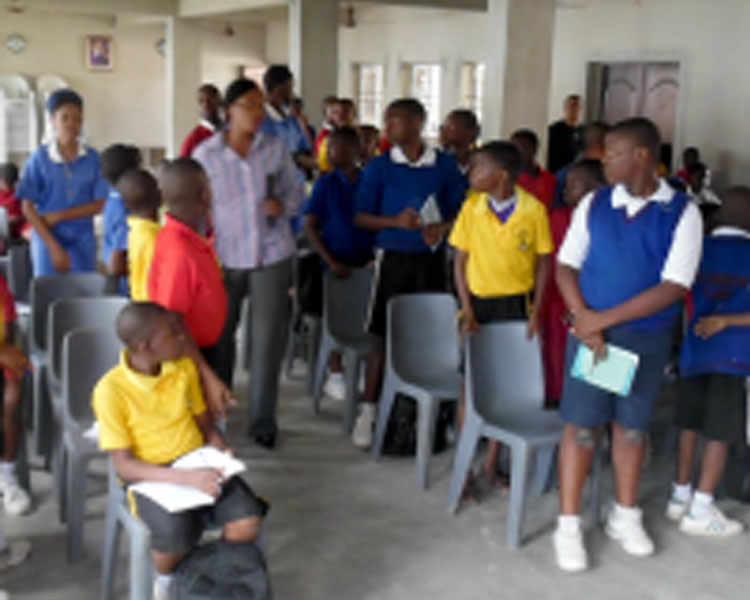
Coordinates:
<point>4,595</point>
<point>713,524</point>
<point>16,500</point>
<point>626,527</point>
<point>14,554</point>
<point>676,509</point>
<point>569,550</point>
<point>335,388</point>
<point>363,428</point>
<point>163,588</point>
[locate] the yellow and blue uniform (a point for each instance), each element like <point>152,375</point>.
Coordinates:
<point>54,184</point>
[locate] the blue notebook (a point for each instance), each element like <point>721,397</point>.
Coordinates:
<point>614,373</point>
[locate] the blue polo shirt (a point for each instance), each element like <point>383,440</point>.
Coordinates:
<point>287,128</point>
<point>53,184</point>
<point>333,202</point>
<point>115,217</point>
<point>390,183</point>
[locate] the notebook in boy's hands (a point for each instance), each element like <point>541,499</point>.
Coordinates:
<point>614,373</point>
<point>177,498</point>
<point>430,213</point>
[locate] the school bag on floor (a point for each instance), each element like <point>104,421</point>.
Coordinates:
<point>223,570</point>
<point>401,433</point>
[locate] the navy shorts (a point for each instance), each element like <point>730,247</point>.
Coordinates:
<point>713,404</point>
<point>588,406</point>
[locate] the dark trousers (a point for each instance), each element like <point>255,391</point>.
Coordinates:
<point>269,314</point>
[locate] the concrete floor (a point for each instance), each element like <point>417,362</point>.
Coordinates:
<point>344,528</point>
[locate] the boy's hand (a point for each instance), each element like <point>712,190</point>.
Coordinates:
<point>60,259</point>
<point>274,207</point>
<point>432,234</point>
<point>597,344</point>
<point>52,218</point>
<point>587,323</point>
<point>469,324</point>
<point>14,360</point>
<point>710,326</point>
<point>207,481</point>
<point>408,219</point>
<point>218,397</point>
<point>340,269</point>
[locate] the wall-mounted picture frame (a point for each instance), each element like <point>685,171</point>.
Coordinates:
<point>100,53</point>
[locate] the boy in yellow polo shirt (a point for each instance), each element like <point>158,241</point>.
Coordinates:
<point>503,250</point>
<point>151,411</point>
<point>140,193</point>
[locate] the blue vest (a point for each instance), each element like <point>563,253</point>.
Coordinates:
<point>627,254</point>
<point>722,287</point>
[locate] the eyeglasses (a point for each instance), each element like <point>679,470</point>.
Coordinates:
<point>249,106</point>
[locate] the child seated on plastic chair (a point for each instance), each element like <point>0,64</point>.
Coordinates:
<point>151,411</point>
<point>14,363</point>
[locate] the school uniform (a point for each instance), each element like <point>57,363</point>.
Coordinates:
<point>404,263</point>
<point>712,396</point>
<point>141,241</point>
<point>287,128</point>
<point>541,185</point>
<point>115,217</point>
<point>503,240</point>
<point>204,130</point>
<point>185,277</point>
<point>53,184</point>
<point>12,205</point>
<point>154,417</point>
<point>621,246</point>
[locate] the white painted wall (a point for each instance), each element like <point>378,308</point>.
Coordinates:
<point>221,54</point>
<point>710,41</point>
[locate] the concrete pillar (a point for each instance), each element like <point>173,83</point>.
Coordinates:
<point>183,78</point>
<point>314,49</point>
<point>519,66</point>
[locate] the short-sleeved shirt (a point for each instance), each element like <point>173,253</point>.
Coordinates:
<point>141,242</point>
<point>391,183</point>
<point>502,256</point>
<point>185,277</point>
<point>333,203</point>
<point>8,308</point>
<point>287,128</point>
<point>201,133</point>
<point>152,415</point>
<point>53,184</point>
<point>12,205</point>
<point>115,218</point>
<point>541,186</point>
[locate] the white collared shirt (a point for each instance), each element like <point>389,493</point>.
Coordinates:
<point>428,158</point>
<point>275,114</point>
<point>730,231</point>
<point>208,125</point>
<point>683,259</point>
<point>501,205</point>
<point>53,151</point>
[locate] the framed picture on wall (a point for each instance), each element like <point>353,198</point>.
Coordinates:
<point>100,53</point>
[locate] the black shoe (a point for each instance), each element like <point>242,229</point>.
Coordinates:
<point>266,440</point>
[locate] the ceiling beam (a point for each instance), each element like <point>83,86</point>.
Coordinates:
<point>96,7</point>
<point>453,4</point>
<point>201,8</point>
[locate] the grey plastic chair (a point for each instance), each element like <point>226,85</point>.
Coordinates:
<point>44,291</point>
<point>345,305</point>
<point>422,361</point>
<point>4,225</point>
<point>141,565</point>
<point>86,356</point>
<point>65,316</point>
<point>504,402</point>
<point>19,272</point>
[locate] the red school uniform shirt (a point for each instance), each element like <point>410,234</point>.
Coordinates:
<point>202,132</point>
<point>185,277</point>
<point>12,205</point>
<point>8,316</point>
<point>541,185</point>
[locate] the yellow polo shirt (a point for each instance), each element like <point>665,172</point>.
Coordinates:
<point>141,241</point>
<point>502,256</point>
<point>323,165</point>
<point>154,416</point>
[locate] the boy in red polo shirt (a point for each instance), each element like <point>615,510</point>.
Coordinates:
<point>535,179</point>
<point>185,276</point>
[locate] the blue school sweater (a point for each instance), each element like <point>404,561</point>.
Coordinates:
<point>627,254</point>
<point>388,187</point>
<point>722,287</point>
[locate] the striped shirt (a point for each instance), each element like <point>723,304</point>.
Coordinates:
<point>244,237</point>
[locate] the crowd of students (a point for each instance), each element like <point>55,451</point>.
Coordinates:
<point>604,249</point>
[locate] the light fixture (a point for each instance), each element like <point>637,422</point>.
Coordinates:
<point>350,17</point>
<point>228,30</point>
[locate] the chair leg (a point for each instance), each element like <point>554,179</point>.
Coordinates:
<point>467,446</point>
<point>76,493</point>
<point>545,463</point>
<point>387,400</point>
<point>518,483</point>
<point>110,558</point>
<point>351,375</point>
<point>313,344</point>
<point>141,565</point>
<point>42,414</point>
<point>60,480</point>
<point>425,437</point>
<point>22,461</point>
<point>326,347</point>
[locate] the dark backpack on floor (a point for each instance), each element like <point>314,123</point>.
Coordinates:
<point>401,434</point>
<point>223,571</point>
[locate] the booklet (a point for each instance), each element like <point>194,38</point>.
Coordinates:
<point>430,213</point>
<point>614,373</point>
<point>177,498</point>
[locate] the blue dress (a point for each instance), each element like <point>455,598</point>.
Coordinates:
<point>53,184</point>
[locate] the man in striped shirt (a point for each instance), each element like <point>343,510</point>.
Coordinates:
<point>255,192</point>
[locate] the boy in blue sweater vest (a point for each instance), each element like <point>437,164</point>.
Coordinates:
<point>628,259</point>
<point>395,187</point>
<point>715,363</point>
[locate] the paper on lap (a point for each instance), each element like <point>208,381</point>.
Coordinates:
<point>177,498</point>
